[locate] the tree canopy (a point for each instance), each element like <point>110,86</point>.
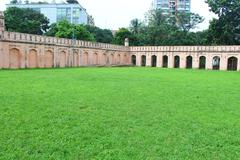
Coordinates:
<point>100,35</point>
<point>72,1</point>
<point>64,29</point>
<point>162,29</point>
<point>225,29</point>
<point>25,21</point>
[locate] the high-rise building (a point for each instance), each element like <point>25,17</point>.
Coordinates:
<point>172,6</point>
<point>55,12</point>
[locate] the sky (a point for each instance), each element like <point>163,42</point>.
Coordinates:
<point>113,14</point>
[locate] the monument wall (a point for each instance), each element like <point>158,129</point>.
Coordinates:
<point>20,50</point>
<point>196,57</point>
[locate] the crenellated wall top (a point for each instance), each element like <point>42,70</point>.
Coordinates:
<point>185,49</point>
<point>30,38</point>
<point>37,39</point>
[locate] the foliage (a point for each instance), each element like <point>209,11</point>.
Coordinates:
<point>188,21</point>
<point>100,35</point>
<point>225,29</point>
<point>13,1</point>
<point>162,29</point>
<point>136,26</point>
<point>64,29</point>
<point>123,33</point>
<point>119,113</point>
<point>25,21</point>
<point>72,1</point>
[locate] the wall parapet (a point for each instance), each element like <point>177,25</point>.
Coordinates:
<point>185,49</point>
<point>38,39</point>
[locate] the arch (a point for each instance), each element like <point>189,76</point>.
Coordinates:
<point>111,59</point>
<point>32,59</point>
<point>62,59</point>
<point>154,61</point>
<point>14,58</point>
<point>232,64</point>
<point>95,58</point>
<point>176,62</point>
<point>165,61</point>
<point>202,62</point>
<point>76,59</point>
<point>189,62</point>
<point>216,63</point>
<point>85,58</point>
<point>104,62</point>
<point>125,59</point>
<point>48,59</point>
<point>143,60</point>
<point>118,59</point>
<point>133,60</point>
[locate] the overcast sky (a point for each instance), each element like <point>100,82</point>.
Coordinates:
<point>113,14</point>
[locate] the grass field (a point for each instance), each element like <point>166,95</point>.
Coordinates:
<point>119,113</point>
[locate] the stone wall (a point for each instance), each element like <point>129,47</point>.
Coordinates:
<point>19,50</point>
<point>197,57</point>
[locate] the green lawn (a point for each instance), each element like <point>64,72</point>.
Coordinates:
<point>119,113</point>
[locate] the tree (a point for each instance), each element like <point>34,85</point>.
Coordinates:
<point>136,26</point>
<point>225,29</point>
<point>160,28</point>
<point>100,35</point>
<point>25,21</point>
<point>64,29</point>
<point>164,29</point>
<point>72,1</point>
<point>123,33</point>
<point>13,2</point>
<point>187,21</point>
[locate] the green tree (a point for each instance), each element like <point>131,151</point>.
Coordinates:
<point>25,21</point>
<point>159,29</point>
<point>100,35</point>
<point>13,1</point>
<point>225,29</point>
<point>187,21</point>
<point>163,29</point>
<point>123,33</point>
<point>72,1</point>
<point>64,29</point>
<point>136,26</point>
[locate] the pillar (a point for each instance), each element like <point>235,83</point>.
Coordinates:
<point>148,59</point>
<point>209,60</point>
<point>223,63</point>
<point>238,63</point>
<point>195,61</point>
<point>182,61</point>
<point>55,64</point>
<point>138,59</point>
<point>2,28</point>
<point>159,60</point>
<point>170,60</point>
<point>1,54</point>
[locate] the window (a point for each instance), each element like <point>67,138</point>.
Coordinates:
<point>64,13</point>
<point>76,15</point>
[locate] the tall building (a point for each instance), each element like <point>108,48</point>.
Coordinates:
<point>172,6</point>
<point>55,12</point>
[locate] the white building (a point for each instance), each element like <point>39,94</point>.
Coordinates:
<point>172,6</point>
<point>55,12</point>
